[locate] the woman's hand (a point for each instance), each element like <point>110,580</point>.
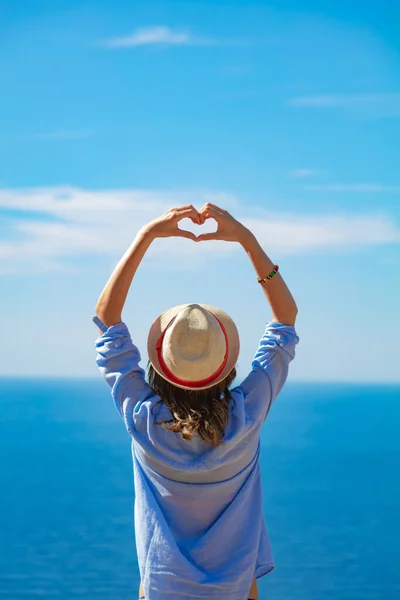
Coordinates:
<point>112,299</point>
<point>228,230</point>
<point>167,224</point>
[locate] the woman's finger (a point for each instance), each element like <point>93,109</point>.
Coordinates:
<point>210,212</point>
<point>209,205</point>
<point>204,237</point>
<point>221,210</point>
<point>184,207</point>
<point>202,218</point>
<point>186,234</point>
<point>188,213</point>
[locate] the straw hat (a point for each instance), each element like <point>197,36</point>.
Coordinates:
<point>193,346</point>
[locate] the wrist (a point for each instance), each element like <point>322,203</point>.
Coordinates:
<point>147,232</point>
<point>247,239</point>
<point>145,237</point>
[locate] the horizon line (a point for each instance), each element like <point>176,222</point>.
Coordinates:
<point>289,381</point>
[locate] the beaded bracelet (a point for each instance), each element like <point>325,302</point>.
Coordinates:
<point>270,276</point>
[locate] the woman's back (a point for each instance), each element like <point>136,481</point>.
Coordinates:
<point>200,530</point>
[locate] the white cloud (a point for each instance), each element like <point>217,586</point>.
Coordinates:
<point>368,188</point>
<point>304,173</point>
<point>62,134</point>
<point>305,234</point>
<point>86,224</point>
<point>159,35</point>
<point>382,104</point>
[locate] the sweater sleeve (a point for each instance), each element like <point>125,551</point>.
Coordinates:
<point>118,361</point>
<point>270,368</point>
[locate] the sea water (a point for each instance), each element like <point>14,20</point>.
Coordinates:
<point>330,468</point>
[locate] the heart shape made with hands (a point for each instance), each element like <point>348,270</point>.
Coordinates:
<point>210,225</point>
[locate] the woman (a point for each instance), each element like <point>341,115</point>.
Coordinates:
<point>200,530</point>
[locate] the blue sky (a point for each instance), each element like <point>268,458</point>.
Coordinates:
<point>286,113</point>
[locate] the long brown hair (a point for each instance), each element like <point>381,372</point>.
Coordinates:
<point>194,411</point>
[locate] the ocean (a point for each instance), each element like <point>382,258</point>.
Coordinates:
<point>330,467</point>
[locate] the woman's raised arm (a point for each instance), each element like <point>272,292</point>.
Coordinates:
<point>112,299</point>
<point>283,306</point>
